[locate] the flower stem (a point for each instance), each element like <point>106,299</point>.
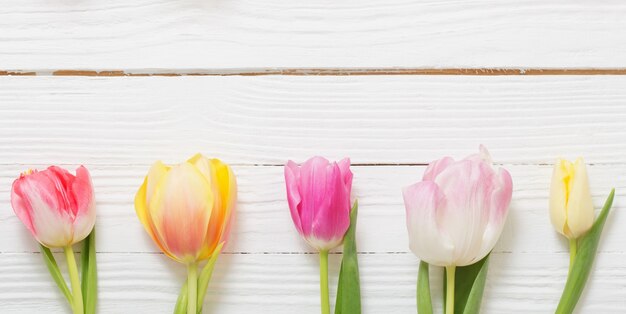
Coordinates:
<point>450,289</point>
<point>324,282</point>
<point>192,287</point>
<point>572,253</point>
<point>77,295</point>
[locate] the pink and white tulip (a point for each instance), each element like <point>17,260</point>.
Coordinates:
<point>456,214</point>
<point>57,207</point>
<point>318,193</point>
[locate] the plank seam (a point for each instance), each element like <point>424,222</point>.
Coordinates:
<point>321,72</point>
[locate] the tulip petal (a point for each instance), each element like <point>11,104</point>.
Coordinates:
<point>83,195</point>
<point>35,196</point>
<point>579,205</point>
<point>181,215</point>
<point>498,211</point>
<point>346,174</point>
<point>21,205</point>
<point>559,188</point>
<point>333,219</point>
<point>436,167</point>
<point>292,179</point>
<point>313,189</point>
<point>225,195</point>
<point>423,201</point>
<point>155,175</point>
<point>63,181</point>
<point>141,208</point>
<point>465,215</point>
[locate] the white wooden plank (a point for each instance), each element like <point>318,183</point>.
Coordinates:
<point>263,223</point>
<point>282,283</point>
<point>266,120</point>
<point>159,35</point>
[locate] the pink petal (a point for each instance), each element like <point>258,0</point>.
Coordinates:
<point>82,192</point>
<point>292,181</point>
<point>313,178</point>
<point>20,203</point>
<point>332,221</point>
<point>436,167</point>
<point>422,201</point>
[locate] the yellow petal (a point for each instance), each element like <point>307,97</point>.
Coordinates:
<point>155,175</point>
<point>144,215</point>
<point>180,209</point>
<point>225,186</point>
<point>579,206</point>
<point>559,194</point>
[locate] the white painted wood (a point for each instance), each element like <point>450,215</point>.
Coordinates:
<point>159,35</point>
<point>118,126</point>
<point>266,120</point>
<point>280,283</point>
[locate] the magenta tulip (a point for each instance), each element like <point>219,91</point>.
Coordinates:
<point>319,199</point>
<point>318,193</point>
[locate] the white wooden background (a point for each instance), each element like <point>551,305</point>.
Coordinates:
<point>390,125</point>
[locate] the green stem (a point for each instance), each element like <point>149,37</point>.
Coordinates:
<point>324,282</point>
<point>77,304</point>
<point>192,287</point>
<point>450,289</point>
<point>572,253</point>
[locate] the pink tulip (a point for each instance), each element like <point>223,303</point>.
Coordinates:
<point>57,207</point>
<point>319,199</point>
<point>455,215</point>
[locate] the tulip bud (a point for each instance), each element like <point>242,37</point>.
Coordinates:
<point>319,199</point>
<point>571,208</point>
<point>455,215</point>
<point>57,207</point>
<point>187,208</point>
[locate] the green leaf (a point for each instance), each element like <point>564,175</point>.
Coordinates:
<point>587,247</point>
<point>424,303</point>
<point>475,295</point>
<point>181,303</point>
<point>89,277</point>
<point>469,284</point>
<point>205,276</point>
<point>53,268</point>
<point>349,286</point>
<point>203,282</point>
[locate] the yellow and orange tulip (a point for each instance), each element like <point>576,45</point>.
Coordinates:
<point>187,208</point>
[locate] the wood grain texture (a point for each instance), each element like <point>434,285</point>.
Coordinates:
<point>279,283</point>
<point>390,125</point>
<point>267,120</point>
<point>189,35</point>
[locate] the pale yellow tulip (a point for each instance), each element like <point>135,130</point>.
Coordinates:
<point>571,208</point>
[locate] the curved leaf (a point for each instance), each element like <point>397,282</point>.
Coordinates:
<point>53,268</point>
<point>587,247</point>
<point>349,287</point>
<point>89,278</point>
<point>469,284</point>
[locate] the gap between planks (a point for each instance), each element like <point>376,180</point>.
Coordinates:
<point>321,72</point>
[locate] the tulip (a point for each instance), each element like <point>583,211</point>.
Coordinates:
<point>58,208</point>
<point>187,210</point>
<point>456,214</point>
<point>318,194</point>
<point>571,208</point>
